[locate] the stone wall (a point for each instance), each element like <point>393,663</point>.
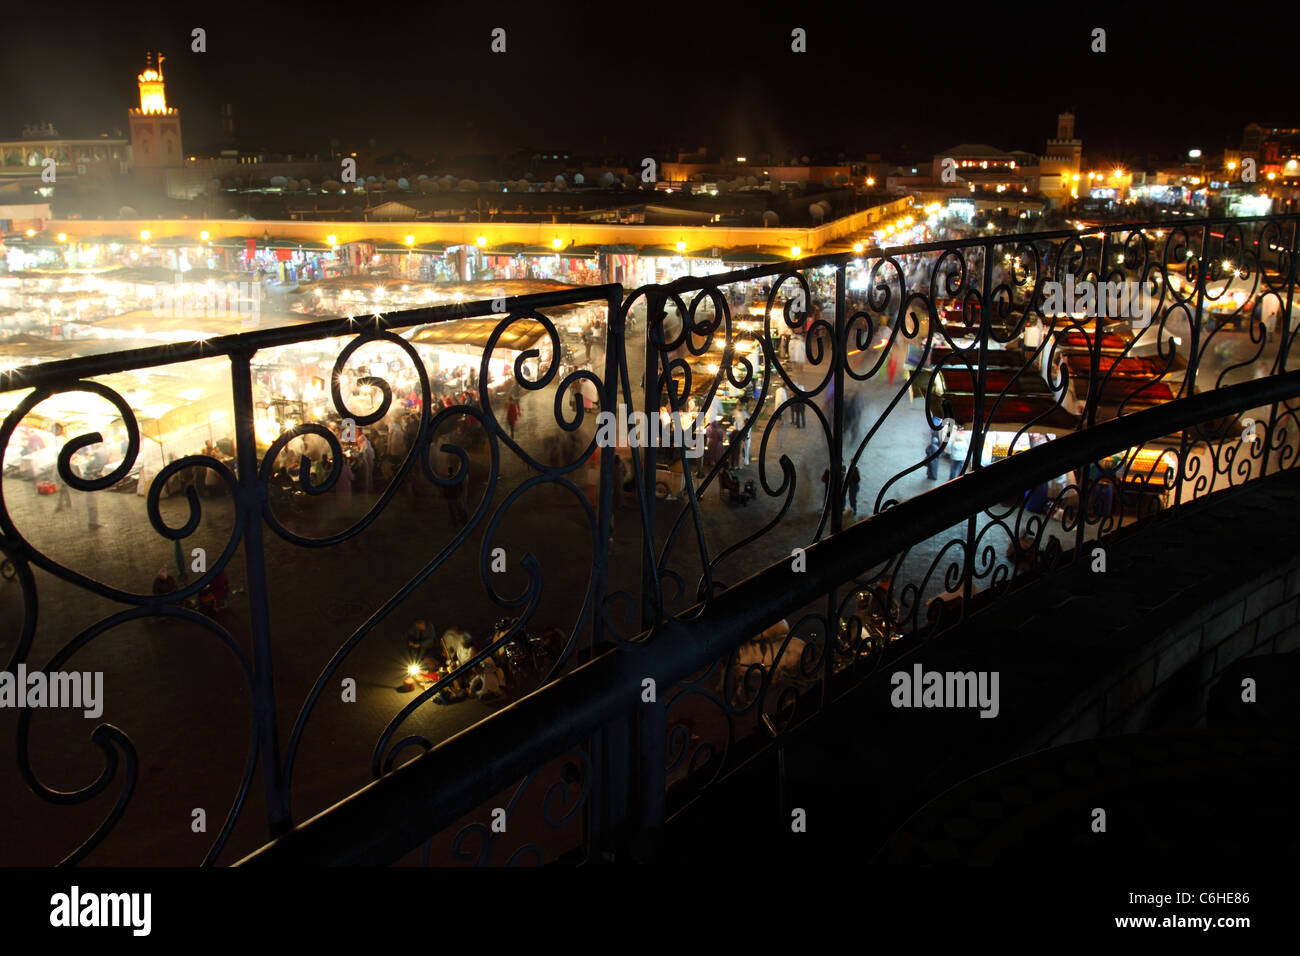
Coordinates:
<point>1185,659</point>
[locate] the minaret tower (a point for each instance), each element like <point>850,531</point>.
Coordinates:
<point>155,127</point>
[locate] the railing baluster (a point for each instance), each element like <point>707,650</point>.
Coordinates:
<point>976,444</point>
<point>251,495</point>
<point>651,611</point>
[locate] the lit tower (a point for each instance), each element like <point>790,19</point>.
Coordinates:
<point>1059,169</point>
<point>155,127</point>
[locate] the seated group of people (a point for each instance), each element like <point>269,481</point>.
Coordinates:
<point>442,655</point>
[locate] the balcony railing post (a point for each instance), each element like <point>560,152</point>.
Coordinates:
<point>611,751</point>
<point>840,358</point>
<point>251,496</point>
<point>1194,355</point>
<point>615,334</point>
<point>651,611</point>
<point>976,444</point>
<point>651,777</point>
<point>839,352</point>
<point>609,807</point>
<point>1283,321</point>
<point>1285,331</point>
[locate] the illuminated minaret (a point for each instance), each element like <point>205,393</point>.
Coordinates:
<point>155,127</point>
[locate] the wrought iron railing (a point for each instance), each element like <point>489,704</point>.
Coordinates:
<point>989,356</point>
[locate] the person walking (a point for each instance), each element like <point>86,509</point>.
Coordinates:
<point>739,419</point>
<point>343,486</point>
<point>396,441</point>
<point>365,464</point>
<point>957,448</point>
<point>931,454</point>
<point>92,468</point>
<point>512,415</point>
<point>65,498</point>
<point>620,482</point>
<point>713,442</point>
<point>855,480</point>
<point>456,495</point>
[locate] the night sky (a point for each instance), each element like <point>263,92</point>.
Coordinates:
<point>641,79</point>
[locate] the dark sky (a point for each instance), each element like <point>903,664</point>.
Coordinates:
<point>640,78</point>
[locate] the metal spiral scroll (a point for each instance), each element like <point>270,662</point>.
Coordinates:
<point>383,757</point>
<point>740,373</point>
<point>115,745</point>
<point>336,449</point>
<point>560,805</point>
<point>667,383</point>
<point>949,272</point>
<point>1025,285</point>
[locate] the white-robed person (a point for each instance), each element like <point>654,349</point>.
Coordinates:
<point>740,418</point>
<point>798,351</point>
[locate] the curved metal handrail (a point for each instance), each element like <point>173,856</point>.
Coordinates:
<point>394,814</point>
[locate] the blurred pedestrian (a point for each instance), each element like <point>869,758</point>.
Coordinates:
<point>798,414</point>
<point>714,437</point>
<point>365,462</point>
<point>64,499</point>
<point>958,446</point>
<point>739,419</point>
<point>93,467</point>
<point>456,495</point>
<point>512,415</point>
